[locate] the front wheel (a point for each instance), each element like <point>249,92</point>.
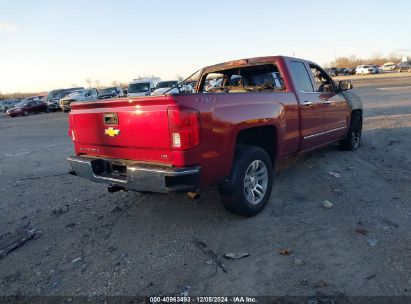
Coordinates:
<point>353,139</point>
<point>247,190</point>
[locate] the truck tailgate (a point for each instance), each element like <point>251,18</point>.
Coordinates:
<point>135,129</point>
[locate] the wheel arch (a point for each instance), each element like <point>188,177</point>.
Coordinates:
<point>265,137</point>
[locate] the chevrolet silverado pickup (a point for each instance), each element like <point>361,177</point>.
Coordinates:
<point>263,110</point>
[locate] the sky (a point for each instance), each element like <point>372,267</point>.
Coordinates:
<point>46,44</point>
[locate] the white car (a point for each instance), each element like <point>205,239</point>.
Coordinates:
<point>78,95</point>
<point>365,69</point>
<point>166,86</point>
<point>389,66</point>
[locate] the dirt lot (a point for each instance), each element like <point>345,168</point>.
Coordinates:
<point>89,242</point>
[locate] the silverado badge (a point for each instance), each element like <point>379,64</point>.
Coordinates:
<point>111,132</point>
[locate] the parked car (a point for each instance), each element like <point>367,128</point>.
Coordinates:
<point>232,137</point>
<point>389,66</point>
<point>342,71</point>
<point>112,92</point>
<point>31,105</point>
<point>332,71</point>
<point>377,69</point>
<point>172,87</point>
<point>141,88</point>
<point>350,71</point>
<point>54,97</point>
<point>404,66</point>
<point>7,104</point>
<point>164,86</point>
<point>79,95</point>
<point>364,69</point>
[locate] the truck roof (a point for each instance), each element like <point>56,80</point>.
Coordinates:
<point>246,61</point>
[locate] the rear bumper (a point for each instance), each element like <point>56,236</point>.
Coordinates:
<point>136,176</point>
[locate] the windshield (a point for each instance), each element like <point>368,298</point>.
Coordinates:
<point>53,94</point>
<point>166,84</point>
<point>23,102</point>
<point>74,94</point>
<point>62,94</point>
<point>140,87</point>
<point>108,91</point>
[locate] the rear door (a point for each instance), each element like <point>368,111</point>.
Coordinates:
<point>311,106</point>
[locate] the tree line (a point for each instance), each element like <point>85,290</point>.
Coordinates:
<point>353,61</point>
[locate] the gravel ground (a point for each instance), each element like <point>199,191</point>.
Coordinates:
<point>89,242</point>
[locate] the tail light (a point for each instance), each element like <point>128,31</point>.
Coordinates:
<point>184,124</point>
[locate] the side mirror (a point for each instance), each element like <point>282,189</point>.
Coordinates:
<point>152,89</point>
<point>345,85</point>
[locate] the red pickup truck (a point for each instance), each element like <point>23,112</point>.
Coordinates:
<point>242,118</point>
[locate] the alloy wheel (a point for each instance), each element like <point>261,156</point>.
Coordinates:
<point>256,182</point>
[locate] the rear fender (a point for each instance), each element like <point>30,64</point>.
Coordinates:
<point>259,116</point>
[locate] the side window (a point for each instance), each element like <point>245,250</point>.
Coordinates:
<point>301,77</point>
<point>323,82</point>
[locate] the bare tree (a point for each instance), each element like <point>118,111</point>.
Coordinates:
<point>88,81</point>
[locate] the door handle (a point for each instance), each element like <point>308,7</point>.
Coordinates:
<point>307,103</point>
<point>328,102</point>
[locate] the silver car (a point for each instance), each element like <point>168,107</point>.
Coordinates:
<point>7,104</point>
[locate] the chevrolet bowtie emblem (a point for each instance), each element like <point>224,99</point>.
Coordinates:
<point>111,132</point>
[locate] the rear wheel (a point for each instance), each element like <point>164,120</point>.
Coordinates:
<point>353,139</point>
<point>248,188</point>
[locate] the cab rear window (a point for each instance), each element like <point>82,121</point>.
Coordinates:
<point>248,79</point>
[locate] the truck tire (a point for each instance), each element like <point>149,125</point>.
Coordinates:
<point>353,139</point>
<point>248,188</point>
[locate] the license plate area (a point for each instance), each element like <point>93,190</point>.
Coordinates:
<point>107,168</point>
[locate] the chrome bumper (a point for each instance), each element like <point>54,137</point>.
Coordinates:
<point>136,176</point>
